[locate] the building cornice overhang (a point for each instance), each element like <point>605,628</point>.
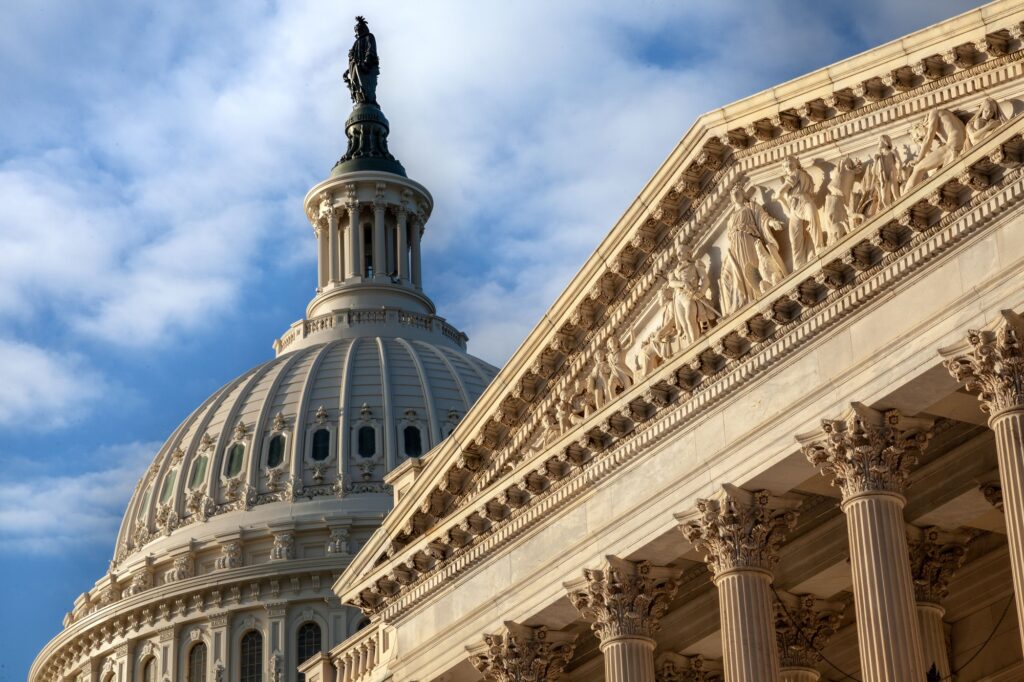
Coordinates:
<point>606,453</point>
<point>707,159</point>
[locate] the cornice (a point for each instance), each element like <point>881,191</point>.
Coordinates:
<point>553,352</point>
<point>694,382</point>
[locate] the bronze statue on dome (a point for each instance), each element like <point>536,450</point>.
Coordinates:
<point>363,65</point>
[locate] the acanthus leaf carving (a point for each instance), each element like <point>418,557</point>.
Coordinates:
<point>993,364</point>
<point>523,654</point>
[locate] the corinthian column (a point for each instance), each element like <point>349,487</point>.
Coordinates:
<point>868,455</point>
<point>523,654</point>
<point>625,601</point>
<point>991,362</point>
<point>740,533</point>
<point>935,556</point>
<point>803,627</point>
<point>379,248</point>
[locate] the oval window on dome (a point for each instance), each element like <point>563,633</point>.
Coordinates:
<point>413,441</point>
<point>165,492</point>
<point>236,453</point>
<point>275,451</point>
<point>198,472</point>
<point>321,445</point>
<point>367,445</point>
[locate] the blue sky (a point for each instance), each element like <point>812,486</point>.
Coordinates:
<point>153,161</point>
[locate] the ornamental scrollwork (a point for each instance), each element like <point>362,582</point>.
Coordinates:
<point>624,598</point>
<point>739,530</point>
<point>993,364</point>
<point>868,450</point>
<point>523,654</point>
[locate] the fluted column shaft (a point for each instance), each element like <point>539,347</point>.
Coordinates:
<point>402,246</point>
<point>322,258</point>
<point>333,247</point>
<point>1009,429</point>
<point>628,659</point>
<point>748,626</point>
<point>800,675</point>
<point>933,637</point>
<point>883,592</point>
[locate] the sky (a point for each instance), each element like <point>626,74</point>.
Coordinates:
<point>153,161</point>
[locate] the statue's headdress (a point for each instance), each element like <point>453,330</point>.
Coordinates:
<point>361,21</point>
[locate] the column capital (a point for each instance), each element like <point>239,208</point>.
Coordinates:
<point>624,598</point>
<point>991,362</point>
<point>993,492</point>
<point>520,653</point>
<point>867,450</point>
<point>672,667</point>
<point>804,625</point>
<point>738,529</point>
<point>935,556</point>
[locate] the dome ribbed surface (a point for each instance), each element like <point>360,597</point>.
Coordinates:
<point>274,412</point>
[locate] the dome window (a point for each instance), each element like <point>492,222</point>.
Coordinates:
<point>197,663</point>
<point>367,441</point>
<point>236,453</point>
<point>413,441</point>
<point>308,643</point>
<point>252,657</point>
<point>168,488</point>
<point>275,452</point>
<point>198,472</point>
<point>321,445</point>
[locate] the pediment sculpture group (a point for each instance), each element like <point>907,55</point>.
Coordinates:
<point>762,249</point>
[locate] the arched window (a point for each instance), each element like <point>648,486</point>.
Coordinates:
<point>367,441</point>
<point>275,452</point>
<point>149,671</point>
<point>413,443</point>
<point>165,492</point>
<point>252,657</point>
<point>198,472</point>
<point>236,453</point>
<point>321,445</point>
<point>307,644</point>
<point>197,663</point>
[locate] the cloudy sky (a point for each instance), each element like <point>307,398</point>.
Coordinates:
<point>153,161</point>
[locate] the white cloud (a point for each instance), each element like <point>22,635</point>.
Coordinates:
<point>41,389</point>
<point>47,514</point>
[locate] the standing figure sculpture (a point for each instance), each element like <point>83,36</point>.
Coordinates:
<point>363,65</point>
<point>692,299</point>
<point>942,136</point>
<point>844,207</point>
<point>797,195</point>
<point>748,224</point>
<point>885,176</point>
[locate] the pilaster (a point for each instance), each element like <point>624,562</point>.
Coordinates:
<point>991,362</point>
<point>868,454</point>
<point>625,600</point>
<point>520,653</point>
<point>740,533</point>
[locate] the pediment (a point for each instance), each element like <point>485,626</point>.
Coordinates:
<point>705,272</point>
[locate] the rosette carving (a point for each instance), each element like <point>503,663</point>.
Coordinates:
<point>992,363</point>
<point>739,530</point>
<point>624,598</point>
<point>523,654</point>
<point>868,450</point>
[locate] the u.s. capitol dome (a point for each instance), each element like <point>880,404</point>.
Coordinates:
<point>233,536</point>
